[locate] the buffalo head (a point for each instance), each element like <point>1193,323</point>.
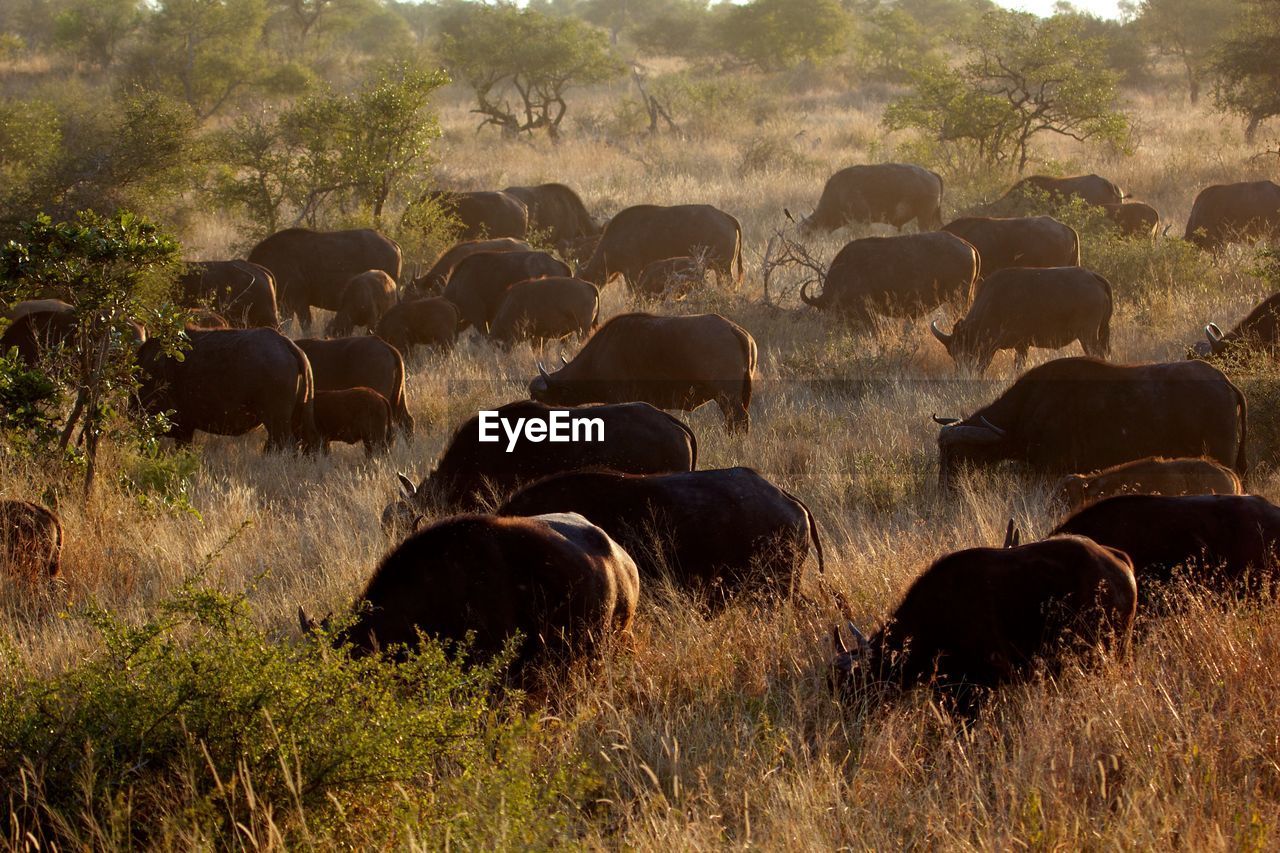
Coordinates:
<point>964,345</point>
<point>545,388</point>
<point>961,442</point>
<point>402,515</point>
<point>848,663</point>
<point>1072,490</point>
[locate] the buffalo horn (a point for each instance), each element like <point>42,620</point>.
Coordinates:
<point>1213,332</point>
<point>989,425</point>
<point>945,421</point>
<point>787,213</point>
<point>942,336</point>
<point>407,489</point>
<point>815,301</point>
<point>564,360</point>
<point>838,641</point>
<point>858,637</point>
<point>305,622</point>
<point>542,371</point>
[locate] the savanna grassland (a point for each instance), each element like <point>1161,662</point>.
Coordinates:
<point>720,731</point>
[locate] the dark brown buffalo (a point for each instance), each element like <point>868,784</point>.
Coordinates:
<point>1226,212</point>
<point>670,362</point>
<point>354,416</point>
<point>1082,414</point>
<point>1150,476</point>
<point>420,322</point>
<point>472,474</point>
<point>313,267</point>
<point>1259,330</point>
<point>903,276</point>
<point>1023,307</point>
<point>363,361</point>
<point>229,382</point>
<point>31,306</point>
<point>1226,543</point>
<point>34,333</point>
<point>893,193</point>
<point>557,580</point>
<point>242,292</point>
<point>1134,218</point>
<point>485,214</point>
<point>640,235</point>
<point>1018,241</point>
<point>433,281</point>
<point>983,618</point>
<point>365,298</point>
<point>1092,189</point>
<point>30,542</point>
<point>675,275</point>
<point>542,309</point>
<point>557,211</point>
<point>480,282</point>
<point>718,532</point>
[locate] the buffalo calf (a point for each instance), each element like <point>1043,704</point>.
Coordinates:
<point>365,298</point>
<point>544,309</point>
<point>431,323</point>
<point>674,275</point>
<point>1150,476</point>
<point>354,416</point>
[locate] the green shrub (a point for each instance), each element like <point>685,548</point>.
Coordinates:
<point>159,479</point>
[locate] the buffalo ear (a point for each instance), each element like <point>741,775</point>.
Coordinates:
<point>407,489</point>
<point>1012,535</point>
<point>864,645</point>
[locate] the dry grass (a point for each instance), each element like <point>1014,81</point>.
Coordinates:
<point>720,732</point>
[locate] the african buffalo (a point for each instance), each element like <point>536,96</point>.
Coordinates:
<point>634,438</point>
<point>1225,543</point>
<point>903,276</point>
<point>484,214</point>
<point>1134,218</point>
<point>30,542</point>
<point>893,193</point>
<point>1082,414</point>
<point>1150,476</point>
<point>983,618</point>
<point>671,362</point>
<point>640,235</point>
<point>1018,241</point>
<point>242,292</point>
<point>35,332</point>
<point>31,306</point>
<point>557,580</point>
<point>1092,189</point>
<point>1260,330</point>
<point>543,309</point>
<point>354,416</point>
<point>557,211</point>
<point>1226,212</point>
<point>365,298</point>
<point>420,322</point>
<point>480,282</point>
<point>1022,307</point>
<point>719,532</point>
<point>433,281</point>
<point>677,275</point>
<point>229,382</point>
<point>363,361</point>
<point>313,267</point>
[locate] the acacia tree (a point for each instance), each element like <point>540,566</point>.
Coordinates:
<point>501,50</point>
<point>1247,68</point>
<point>1189,30</point>
<point>1021,77</point>
<point>775,34</point>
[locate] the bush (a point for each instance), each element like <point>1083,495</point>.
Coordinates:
<point>197,725</point>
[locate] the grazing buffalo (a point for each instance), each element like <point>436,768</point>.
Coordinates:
<point>242,292</point>
<point>717,532</point>
<point>1259,330</point>
<point>229,382</point>
<point>904,276</point>
<point>365,361</point>
<point>543,309</point>
<point>1226,212</point>
<point>30,542</point>
<point>354,416</point>
<point>1023,307</point>
<point>675,275</point>
<point>640,235</point>
<point>1018,241</point>
<point>483,464</point>
<point>1092,189</point>
<point>31,306</point>
<point>1082,414</point>
<point>421,322</point>
<point>557,580</point>
<point>365,298</point>
<point>983,618</point>
<point>485,214</point>
<point>671,362</point>
<point>480,282</point>
<point>893,193</point>
<point>1150,476</point>
<point>1225,543</point>
<point>313,267</point>
<point>557,211</point>
<point>1134,218</point>
<point>432,283</point>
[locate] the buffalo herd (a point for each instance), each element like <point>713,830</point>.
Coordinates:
<point>555,542</point>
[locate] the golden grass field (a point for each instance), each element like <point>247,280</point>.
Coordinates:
<point>720,731</point>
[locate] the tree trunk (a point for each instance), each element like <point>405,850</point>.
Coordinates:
<point>1193,85</point>
<point>1251,130</point>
